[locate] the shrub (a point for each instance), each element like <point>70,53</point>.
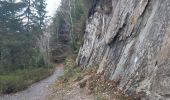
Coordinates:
<point>21,79</point>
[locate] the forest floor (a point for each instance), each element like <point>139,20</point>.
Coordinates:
<point>79,84</point>
<point>71,92</point>
<point>85,90</point>
<point>75,91</point>
<point>67,86</point>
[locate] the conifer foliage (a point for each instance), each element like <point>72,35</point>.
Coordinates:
<point>19,22</point>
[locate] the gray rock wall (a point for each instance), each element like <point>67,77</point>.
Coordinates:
<point>130,42</point>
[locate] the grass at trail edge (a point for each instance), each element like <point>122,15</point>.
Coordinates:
<point>21,79</point>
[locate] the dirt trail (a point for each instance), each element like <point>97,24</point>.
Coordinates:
<point>43,91</point>
<point>71,93</point>
<point>37,91</point>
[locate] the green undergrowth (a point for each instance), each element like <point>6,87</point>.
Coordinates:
<point>71,71</point>
<point>21,79</point>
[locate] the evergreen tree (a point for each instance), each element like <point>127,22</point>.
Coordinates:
<point>28,13</point>
<point>40,13</point>
<point>35,14</point>
<point>9,20</point>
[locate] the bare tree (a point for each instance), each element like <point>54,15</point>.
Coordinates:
<point>71,22</point>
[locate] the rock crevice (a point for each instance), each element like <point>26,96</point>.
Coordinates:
<point>130,41</point>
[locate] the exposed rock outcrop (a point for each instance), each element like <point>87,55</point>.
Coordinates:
<point>130,42</point>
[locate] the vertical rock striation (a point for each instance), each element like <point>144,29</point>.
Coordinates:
<point>130,42</point>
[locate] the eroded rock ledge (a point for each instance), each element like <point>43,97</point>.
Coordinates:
<point>130,42</point>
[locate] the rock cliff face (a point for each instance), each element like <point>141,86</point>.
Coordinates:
<point>130,42</point>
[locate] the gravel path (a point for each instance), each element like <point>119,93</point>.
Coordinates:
<point>37,91</point>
